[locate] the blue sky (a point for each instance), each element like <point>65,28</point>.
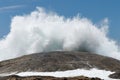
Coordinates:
<point>95,10</point>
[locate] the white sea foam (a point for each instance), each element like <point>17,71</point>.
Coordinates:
<point>103,74</point>
<point>42,31</point>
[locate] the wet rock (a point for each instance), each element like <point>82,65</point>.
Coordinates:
<point>59,61</point>
<point>115,75</point>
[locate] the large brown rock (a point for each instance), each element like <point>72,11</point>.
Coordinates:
<point>59,61</point>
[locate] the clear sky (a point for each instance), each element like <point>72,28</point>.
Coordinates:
<point>95,10</point>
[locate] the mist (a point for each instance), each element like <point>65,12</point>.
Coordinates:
<point>44,31</point>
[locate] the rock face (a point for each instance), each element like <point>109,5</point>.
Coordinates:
<point>59,61</point>
<point>14,77</point>
<point>115,75</point>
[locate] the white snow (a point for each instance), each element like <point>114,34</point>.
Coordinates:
<point>103,74</point>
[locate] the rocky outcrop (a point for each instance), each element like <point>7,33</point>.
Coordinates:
<point>115,75</point>
<point>59,61</point>
<point>14,77</point>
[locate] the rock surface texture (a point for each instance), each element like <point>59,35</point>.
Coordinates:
<point>59,61</point>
